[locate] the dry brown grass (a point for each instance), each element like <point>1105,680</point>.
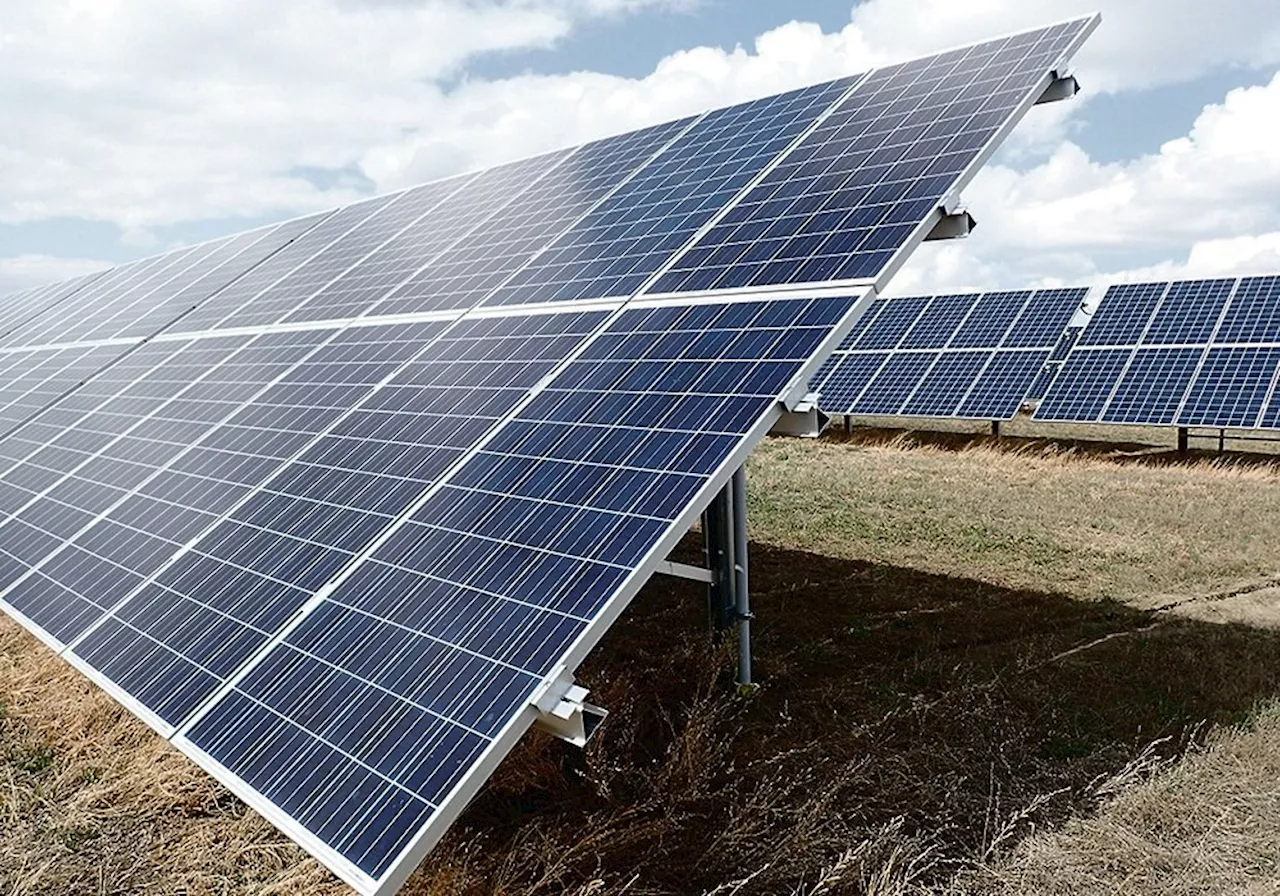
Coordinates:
<point>931,705</point>
<point>1208,824</point>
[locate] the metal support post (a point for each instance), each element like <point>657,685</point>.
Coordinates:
<point>1184,439</point>
<point>716,523</point>
<point>995,429</point>
<point>848,425</point>
<point>1222,440</point>
<point>742,589</point>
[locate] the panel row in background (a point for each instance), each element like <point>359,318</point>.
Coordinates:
<point>1184,353</point>
<point>975,355</point>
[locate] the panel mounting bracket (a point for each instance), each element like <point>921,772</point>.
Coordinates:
<point>802,420</point>
<point>953,225</point>
<point>563,710</point>
<point>1062,87</point>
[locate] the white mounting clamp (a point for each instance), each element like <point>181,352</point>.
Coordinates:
<point>563,710</point>
<point>952,226</point>
<point>1062,87</point>
<point>802,420</point>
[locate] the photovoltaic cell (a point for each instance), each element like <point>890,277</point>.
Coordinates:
<point>464,212</point>
<point>940,392</point>
<point>271,278</point>
<point>1123,314</point>
<point>1189,313</point>
<point>17,309</point>
<point>893,383</point>
<point>206,613</point>
<point>891,324</point>
<point>990,320</point>
<point>976,330</point>
<point>846,376</point>
<point>1064,345</point>
<point>1152,388</point>
<point>852,194</point>
<point>938,324</point>
<point>1084,385</point>
<point>1254,313</point>
<point>1003,385</point>
<point>486,257</point>
<point>1044,319</point>
<point>1230,388</point>
<point>616,249</point>
<point>358,269</point>
<point>500,572</point>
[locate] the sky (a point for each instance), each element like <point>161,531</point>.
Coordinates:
<point>137,125</point>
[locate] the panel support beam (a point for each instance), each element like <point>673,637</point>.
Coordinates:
<point>804,421</point>
<point>563,711</point>
<point>1063,87</point>
<point>953,226</point>
<point>724,525</point>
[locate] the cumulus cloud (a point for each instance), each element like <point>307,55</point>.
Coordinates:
<point>147,114</point>
<point>1073,219</point>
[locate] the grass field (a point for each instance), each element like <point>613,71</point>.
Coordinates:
<point>986,670</point>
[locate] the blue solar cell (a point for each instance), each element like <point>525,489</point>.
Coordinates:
<point>1123,314</point>
<point>500,571</point>
<point>941,391</point>
<point>397,265</point>
<point>1230,387</point>
<point>38,379</point>
<point>1152,388</point>
<point>891,324</point>
<point>1044,318</point>
<point>894,382</point>
<point>242,580</point>
<point>1254,313</point>
<point>269,278</point>
<point>844,202</point>
<point>990,320</point>
<point>484,259</point>
<point>616,249</point>
<point>938,324</point>
<point>372,258</point>
<point>16,310</point>
<point>1189,313</point>
<point>844,382</point>
<point>999,392</point>
<point>1084,385</point>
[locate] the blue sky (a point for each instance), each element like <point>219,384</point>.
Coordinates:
<point>147,124</point>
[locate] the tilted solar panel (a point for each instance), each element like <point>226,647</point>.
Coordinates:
<point>972,356</point>
<point>1185,353</point>
<point>342,563</point>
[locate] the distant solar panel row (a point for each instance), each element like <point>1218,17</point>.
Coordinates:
<point>1186,353</point>
<point>969,356</point>
<point>338,501</point>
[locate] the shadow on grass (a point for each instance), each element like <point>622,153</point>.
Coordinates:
<point>942,711</point>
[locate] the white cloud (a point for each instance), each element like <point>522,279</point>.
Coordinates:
<point>148,113</point>
<point>22,271</point>
<point>1073,219</point>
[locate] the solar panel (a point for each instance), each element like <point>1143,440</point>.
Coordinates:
<point>1044,379</point>
<point>1196,354</point>
<point>342,562</point>
<point>940,349</point>
<point>616,249</point>
<point>848,200</point>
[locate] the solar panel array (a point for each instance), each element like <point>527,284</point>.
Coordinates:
<point>972,356</point>
<point>1185,353</point>
<point>332,505</point>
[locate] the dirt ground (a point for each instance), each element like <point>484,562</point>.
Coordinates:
<point>948,703</point>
